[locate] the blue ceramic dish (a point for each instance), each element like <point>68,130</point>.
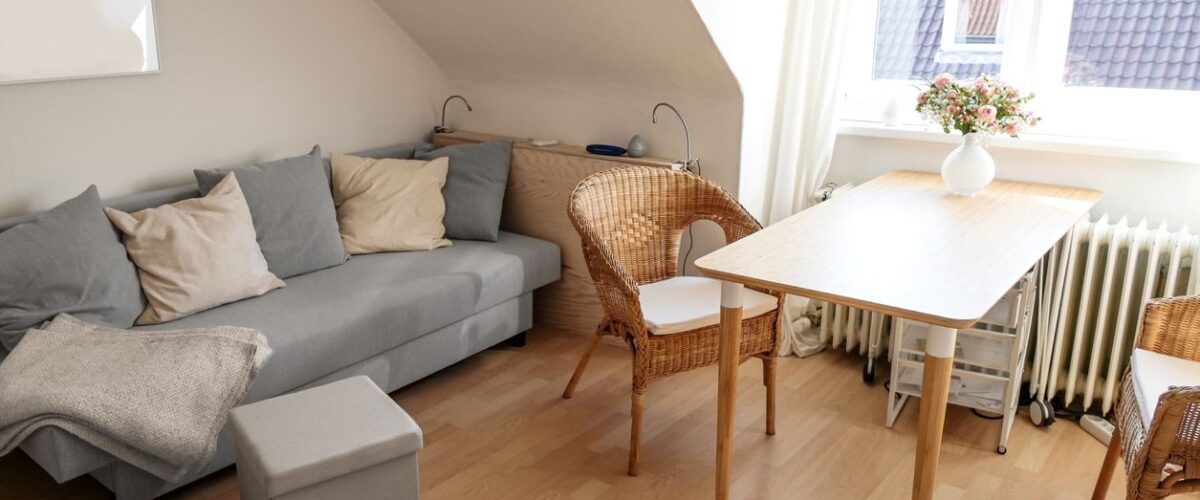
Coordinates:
<point>605,149</point>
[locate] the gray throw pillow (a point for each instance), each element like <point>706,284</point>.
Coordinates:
<point>293,212</point>
<point>66,260</point>
<point>474,190</point>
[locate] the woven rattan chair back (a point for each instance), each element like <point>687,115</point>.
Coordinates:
<point>639,213</point>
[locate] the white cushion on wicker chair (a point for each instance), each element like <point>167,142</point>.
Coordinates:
<point>685,303</point>
<point>1154,374</point>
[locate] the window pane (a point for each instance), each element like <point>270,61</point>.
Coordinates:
<point>978,22</point>
<point>909,42</point>
<point>1144,44</point>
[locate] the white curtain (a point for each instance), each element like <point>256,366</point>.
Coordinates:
<point>806,111</point>
<point>806,120</point>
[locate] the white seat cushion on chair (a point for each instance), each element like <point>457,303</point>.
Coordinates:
<point>1154,373</point>
<point>686,303</point>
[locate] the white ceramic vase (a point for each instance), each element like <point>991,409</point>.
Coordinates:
<point>969,168</point>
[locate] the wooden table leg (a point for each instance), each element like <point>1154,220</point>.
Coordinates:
<point>935,389</point>
<point>730,356</point>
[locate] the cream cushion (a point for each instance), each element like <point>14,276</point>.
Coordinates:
<point>195,254</point>
<point>388,205</point>
<point>685,303</point>
<point>1154,373</point>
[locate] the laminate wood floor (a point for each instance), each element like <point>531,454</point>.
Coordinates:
<point>496,428</point>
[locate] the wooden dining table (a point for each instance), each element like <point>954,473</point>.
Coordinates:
<point>901,244</point>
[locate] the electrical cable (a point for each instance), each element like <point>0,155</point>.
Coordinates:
<point>690,244</point>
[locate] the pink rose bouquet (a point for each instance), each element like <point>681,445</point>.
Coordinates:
<point>984,106</point>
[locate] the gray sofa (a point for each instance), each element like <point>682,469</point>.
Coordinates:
<point>394,317</point>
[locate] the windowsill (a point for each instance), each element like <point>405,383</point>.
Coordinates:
<point>1107,148</point>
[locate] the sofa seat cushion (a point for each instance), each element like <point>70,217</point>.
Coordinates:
<point>685,303</point>
<point>329,319</point>
<point>1154,374</point>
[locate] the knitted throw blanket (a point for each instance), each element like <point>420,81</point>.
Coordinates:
<point>155,400</point>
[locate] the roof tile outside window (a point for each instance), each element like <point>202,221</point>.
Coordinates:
<point>1145,44</point>
<point>908,44</point>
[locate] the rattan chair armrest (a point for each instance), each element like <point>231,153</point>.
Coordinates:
<point>1173,435</point>
<point>735,221</point>
<point>1172,327</point>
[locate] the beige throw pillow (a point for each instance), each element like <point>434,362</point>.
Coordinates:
<point>387,205</point>
<point>195,254</point>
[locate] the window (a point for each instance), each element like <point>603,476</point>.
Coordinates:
<point>918,39</point>
<point>1100,68</point>
<point>975,25</point>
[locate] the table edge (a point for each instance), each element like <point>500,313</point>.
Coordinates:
<point>948,322</point>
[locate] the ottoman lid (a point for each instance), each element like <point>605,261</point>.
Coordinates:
<point>315,435</point>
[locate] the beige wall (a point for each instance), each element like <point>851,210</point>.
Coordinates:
<point>587,72</point>
<point>241,81</point>
<point>1158,191</point>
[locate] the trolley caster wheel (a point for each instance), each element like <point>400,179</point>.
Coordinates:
<point>1041,413</point>
<point>868,374</point>
<point>1001,450</point>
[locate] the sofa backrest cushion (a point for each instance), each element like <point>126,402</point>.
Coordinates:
<point>293,212</point>
<point>66,260</point>
<point>475,187</point>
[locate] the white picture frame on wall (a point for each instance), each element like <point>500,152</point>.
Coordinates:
<point>47,40</point>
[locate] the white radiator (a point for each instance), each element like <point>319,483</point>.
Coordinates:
<point>1093,287</point>
<point>851,329</point>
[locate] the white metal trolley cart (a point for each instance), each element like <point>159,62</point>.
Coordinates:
<point>988,359</point>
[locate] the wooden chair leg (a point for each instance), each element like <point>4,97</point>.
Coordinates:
<point>1110,464</point>
<point>583,362</point>
<point>769,381</point>
<point>635,433</point>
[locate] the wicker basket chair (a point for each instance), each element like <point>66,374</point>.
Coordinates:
<point>1171,327</point>
<point>630,220</point>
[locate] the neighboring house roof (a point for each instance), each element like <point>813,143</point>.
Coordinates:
<point>1151,44</point>
<point>1148,44</point>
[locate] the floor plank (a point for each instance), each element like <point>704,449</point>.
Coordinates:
<point>496,428</point>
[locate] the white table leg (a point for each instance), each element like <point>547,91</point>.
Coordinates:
<point>730,356</point>
<point>939,363</point>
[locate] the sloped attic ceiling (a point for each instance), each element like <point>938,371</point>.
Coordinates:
<point>661,46</point>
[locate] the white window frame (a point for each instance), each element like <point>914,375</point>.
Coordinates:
<point>1035,46</point>
<point>950,31</point>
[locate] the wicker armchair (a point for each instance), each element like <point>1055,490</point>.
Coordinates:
<point>630,220</point>
<point>1171,327</point>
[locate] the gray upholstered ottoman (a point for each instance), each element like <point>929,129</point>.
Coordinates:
<point>342,440</point>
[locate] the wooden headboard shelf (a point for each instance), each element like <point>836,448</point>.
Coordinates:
<point>462,136</point>
<point>540,182</point>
